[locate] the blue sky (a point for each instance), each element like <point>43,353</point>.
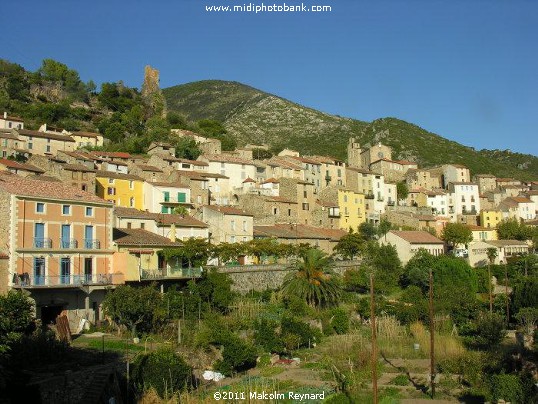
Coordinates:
<point>464,69</point>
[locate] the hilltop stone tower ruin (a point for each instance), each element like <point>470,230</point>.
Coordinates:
<point>151,93</point>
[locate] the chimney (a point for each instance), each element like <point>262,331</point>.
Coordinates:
<point>173,233</point>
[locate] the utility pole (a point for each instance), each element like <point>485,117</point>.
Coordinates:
<point>374,338</point>
<point>432,338</point>
<point>489,289</point>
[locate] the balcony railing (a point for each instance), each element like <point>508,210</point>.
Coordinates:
<point>174,200</point>
<point>31,281</point>
<point>369,196</point>
<point>172,272</point>
<point>334,214</point>
<point>68,243</point>
<point>390,203</point>
<point>380,199</point>
<point>468,212</point>
<point>42,243</point>
<point>91,244</point>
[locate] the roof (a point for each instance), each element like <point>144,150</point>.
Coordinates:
<point>279,199</point>
<point>226,158</point>
<point>283,162</point>
<point>406,162</point>
<point>271,181</point>
<point>78,155</point>
<point>324,159</point>
<point>86,134</point>
<point>212,175</point>
<point>9,135</point>
<point>463,183</point>
<point>327,204</point>
<point>161,219</point>
<point>21,186</point>
<point>20,166</point>
<point>119,176</point>
<point>119,155</point>
<point>305,160</point>
<point>12,118</point>
<point>141,238</point>
<point>362,171</point>
<point>485,176</point>
<point>178,160</point>
<point>228,210</point>
<point>515,200</point>
<point>480,228</point>
<point>298,231</point>
<point>45,135</point>
<point>77,167</point>
<point>507,243</point>
<point>456,165</point>
<point>417,237</point>
<point>176,184</point>
<point>145,167</point>
<point>249,180</point>
<point>193,175</point>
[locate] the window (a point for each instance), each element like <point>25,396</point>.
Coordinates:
<point>40,207</point>
<point>4,142</point>
<point>199,199</point>
<point>244,225</point>
<point>232,225</point>
<point>305,194</point>
<point>48,148</point>
<point>142,226</point>
<point>275,211</point>
<point>289,212</point>
<point>111,191</point>
<point>345,198</point>
<point>243,175</point>
<point>30,146</point>
<point>89,211</point>
<point>185,165</point>
<point>65,271</point>
<point>111,180</point>
<point>39,271</point>
<point>66,209</point>
<point>131,184</point>
<point>305,206</point>
<point>131,202</point>
<point>164,209</point>
<point>244,239</point>
<point>129,225</point>
<point>232,239</point>
<point>182,197</point>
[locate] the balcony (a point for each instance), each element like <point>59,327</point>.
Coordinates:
<point>369,196</point>
<point>42,243</point>
<point>35,281</point>
<point>380,199</point>
<point>170,273</point>
<point>390,203</point>
<point>169,200</point>
<point>468,212</point>
<point>91,244</point>
<point>68,243</point>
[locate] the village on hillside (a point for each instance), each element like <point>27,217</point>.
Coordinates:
<point>72,216</point>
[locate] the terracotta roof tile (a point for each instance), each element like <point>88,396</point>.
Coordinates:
<point>224,158</point>
<point>417,237</point>
<point>17,185</point>
<point>228,210</point>
<point>119,176</point>
<point>145,167</point>
<point>86,134</point>
<point>20,166</point>
<point>141,238</point>
<point>44,135</point>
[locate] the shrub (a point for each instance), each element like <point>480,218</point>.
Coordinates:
<point>162,370</point>
<point>237,355</point>
<point>265,335</point>
<point>340,321</point>
<point>400,380</point>
<point>306,335</point>
<point>489,331</point>
<point>506,387</point>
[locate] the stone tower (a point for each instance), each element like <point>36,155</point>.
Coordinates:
<point>353,153</point>
<point>152,94</point>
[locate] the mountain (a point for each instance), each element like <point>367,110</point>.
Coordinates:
<point>254,116</point>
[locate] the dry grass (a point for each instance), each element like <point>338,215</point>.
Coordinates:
<point>446,346</point>
<point>246,310</point>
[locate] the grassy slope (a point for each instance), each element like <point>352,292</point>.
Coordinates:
<point>253,116</point>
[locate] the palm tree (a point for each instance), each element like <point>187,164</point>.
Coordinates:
<point>313,280</point>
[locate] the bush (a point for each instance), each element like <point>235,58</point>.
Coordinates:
<point>298,334</point>
<point>265,335</point>
<point>162,370</point>
<point>237,355</point>
<point>489,331</point>
<point>506,387</point>
<point>340,321</point>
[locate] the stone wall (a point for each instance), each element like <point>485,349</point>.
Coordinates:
<point>262,277</point>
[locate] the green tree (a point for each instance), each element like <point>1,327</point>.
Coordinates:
<point>489,330</point>
<point>163,370</point>
<point>368,231</point>
<point>525,294</point>
<point>135,308</point>
<point>187,148</point>
<point>194,251</point>
<point>16,318</point>
<point>313,280</point>
<point>456,234</point>
<point>262,248</point>
<point>512,229</point>
<point>351,245</point>
<point>402,191</point>
<point>226,252</point>
<point>492,254</point>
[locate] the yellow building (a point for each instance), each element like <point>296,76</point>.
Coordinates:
<point>123,189</point>
<point>352,209</point>
<point>490,218</point>
<point>483,233</point>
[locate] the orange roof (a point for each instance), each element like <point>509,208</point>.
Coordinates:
<point>20,166</point>
<point>249,180</point>
<point>417,237</point>
<point>21,186</point>
<point>86,134</point>
<point>227,210</point>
